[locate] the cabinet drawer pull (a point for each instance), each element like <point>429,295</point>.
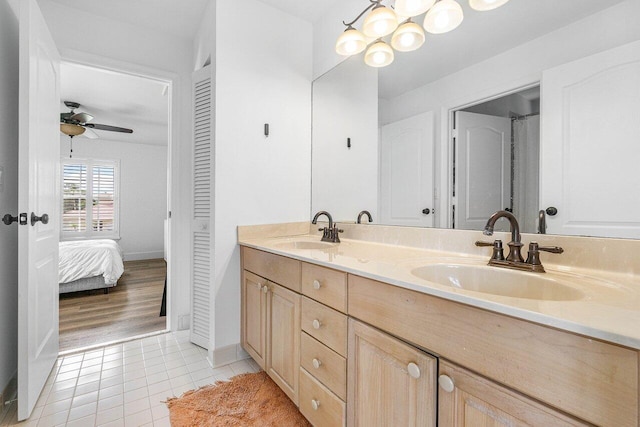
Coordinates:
<point>316,284</point>
<point>315,404</point>
<point>316,363</point>
<point>414,370</point>
<point>446,383</point>
<point>316,324</point>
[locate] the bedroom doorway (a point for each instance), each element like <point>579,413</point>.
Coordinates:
<point>115,195</point>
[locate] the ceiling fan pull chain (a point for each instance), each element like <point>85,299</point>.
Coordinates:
<point>70,146</point>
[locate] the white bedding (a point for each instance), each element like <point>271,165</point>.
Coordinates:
<point>89,258</point>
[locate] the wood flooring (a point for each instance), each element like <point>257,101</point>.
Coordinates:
<point>129,309</point>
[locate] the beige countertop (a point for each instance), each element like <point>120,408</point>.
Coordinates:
<point>607,306</point>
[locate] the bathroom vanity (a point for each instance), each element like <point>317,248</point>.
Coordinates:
<point>369,332</point>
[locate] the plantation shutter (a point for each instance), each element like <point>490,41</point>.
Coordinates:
<point>202,189</point>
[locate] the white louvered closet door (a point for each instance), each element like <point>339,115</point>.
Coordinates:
<point>201,250</point>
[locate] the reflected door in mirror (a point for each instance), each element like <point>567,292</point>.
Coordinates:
<point>590,151</point>
<point>406,172</point>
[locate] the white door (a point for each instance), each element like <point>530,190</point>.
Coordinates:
<point>482,168</point>
<point>39,153</point>
<point>589,130</point>
<point>201,235</point>
<point>406,172</point>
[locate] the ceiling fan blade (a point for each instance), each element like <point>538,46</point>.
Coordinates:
<point>107,127</point>
<point>81,117</point>
<point>90,134</point>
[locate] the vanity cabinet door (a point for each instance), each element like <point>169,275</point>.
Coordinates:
<point>283,338</point>
<point>254,316</point>
<point>390,383</point>
<point>466,399</point>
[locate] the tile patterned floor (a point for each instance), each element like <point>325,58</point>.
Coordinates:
<point>124,384</point>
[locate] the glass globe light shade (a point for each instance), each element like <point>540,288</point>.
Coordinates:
<point>350,42</point>
<point>484,5</point>
<point>380,22</point>
<point>409,36</point>
<point>379,54</point>
<point>410,8</point>
<point>443,17</point>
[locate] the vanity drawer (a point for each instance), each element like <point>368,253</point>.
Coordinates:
<point>325,285</point>
<point>325,324</point>
<point>331,367</point>
<point>278,269</point>
<point>589,379</point>
<point>318,404</point>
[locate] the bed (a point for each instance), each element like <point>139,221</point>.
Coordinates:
<point>89,264</point>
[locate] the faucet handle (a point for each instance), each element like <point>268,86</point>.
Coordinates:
<point>533,256</point>
<point>498,251</point>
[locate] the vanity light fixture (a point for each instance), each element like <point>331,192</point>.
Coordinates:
<point>444,16</point>
<point>483,5</point>
<point>440,17</point>
<point>379,54</point>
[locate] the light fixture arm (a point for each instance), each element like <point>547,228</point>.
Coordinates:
<point>374,3</point>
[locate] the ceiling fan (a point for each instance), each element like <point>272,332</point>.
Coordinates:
<point>74,124</point>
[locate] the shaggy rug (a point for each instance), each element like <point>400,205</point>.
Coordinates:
<point>244,400</point>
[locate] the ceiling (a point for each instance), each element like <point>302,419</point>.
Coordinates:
<point>308,10</point>
<point>179,18</point>
<point>118,100</point>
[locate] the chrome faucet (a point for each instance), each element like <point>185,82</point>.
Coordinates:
<point>330,233</point>
<point>367,213</point>
<point>514,260</point>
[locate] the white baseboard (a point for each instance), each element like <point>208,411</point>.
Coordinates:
<point>8,394</point>
<point>228,354</point>
<point>138,256</point>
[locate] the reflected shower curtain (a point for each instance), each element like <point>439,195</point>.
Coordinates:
<point>526,166</point>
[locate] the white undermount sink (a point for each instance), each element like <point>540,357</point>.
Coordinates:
<point>305,244</point>
<point>498,281</point>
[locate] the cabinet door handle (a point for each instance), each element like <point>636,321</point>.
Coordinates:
<point>414,370</point>
<point>316,284</point>
<point>316,363</point>
<point>446,383</point>
<point>265,289</point>
<point>316,324</point>
<point>315,404</point>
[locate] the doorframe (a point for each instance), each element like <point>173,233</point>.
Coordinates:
<point>172,80</point>
<point>447,113</point>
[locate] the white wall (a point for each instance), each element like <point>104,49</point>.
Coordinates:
<point>143,191</point>
<point>8,194</point>
<point>345,105</point>
<point>106,43</point>
<point>263,75</point>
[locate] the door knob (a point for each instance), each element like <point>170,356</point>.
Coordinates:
<point>551,211</point>
<point>426,211</point>
<point>44,218</point>
<point>8,219</point>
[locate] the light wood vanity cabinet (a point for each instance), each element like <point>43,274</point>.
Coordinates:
<point>466,399</point>
<point>390,383</point>
<point>346,350</point>
<point>323,372</point>
<point>271,318</point>
<point>586,378</point>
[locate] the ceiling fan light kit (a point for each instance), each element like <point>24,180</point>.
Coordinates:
<point>74,124</point>
<point>440,16</point>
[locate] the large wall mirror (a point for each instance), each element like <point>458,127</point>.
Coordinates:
<point>532,107</point>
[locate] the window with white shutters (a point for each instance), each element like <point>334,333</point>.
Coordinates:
<point>89,198</point>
